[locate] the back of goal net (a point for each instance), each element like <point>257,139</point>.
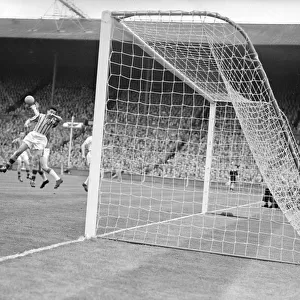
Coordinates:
<point>195,136</point>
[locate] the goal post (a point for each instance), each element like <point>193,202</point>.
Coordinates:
<point>209,154</point>
<point>98,121</point>
<point>181,97</point>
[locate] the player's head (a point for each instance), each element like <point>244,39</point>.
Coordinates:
<point>22,134</point>
<point>234,165</point>
<point>52,110</point>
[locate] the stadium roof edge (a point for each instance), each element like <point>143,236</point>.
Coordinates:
<point>65,29</point>
<point>89,29</point>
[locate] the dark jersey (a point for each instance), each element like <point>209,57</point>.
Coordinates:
<point>233,174</point>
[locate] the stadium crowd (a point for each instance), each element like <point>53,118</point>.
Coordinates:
<point>165,129</point>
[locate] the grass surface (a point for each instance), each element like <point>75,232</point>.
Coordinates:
<point>34,217</point>
<point>106,269</point>
<point>161,213</point>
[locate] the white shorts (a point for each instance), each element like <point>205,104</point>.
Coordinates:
<point>88,158</point>
<point>46,153</point>
<point>35,141</point>
<point>23,157</point>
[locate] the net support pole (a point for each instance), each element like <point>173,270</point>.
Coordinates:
<point>209,153</point>
<point>70,142</point>
<point>98,121</point>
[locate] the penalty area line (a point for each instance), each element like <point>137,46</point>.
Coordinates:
<point>37,250</point>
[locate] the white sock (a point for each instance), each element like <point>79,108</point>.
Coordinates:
<point>52,173</point>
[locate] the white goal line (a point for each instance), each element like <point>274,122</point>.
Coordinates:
<point>176,219</point>
<point>37,250</point>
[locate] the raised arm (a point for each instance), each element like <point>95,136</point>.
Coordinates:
<point>56,116</point>
<point>36,112</point>
<point>55,119</point>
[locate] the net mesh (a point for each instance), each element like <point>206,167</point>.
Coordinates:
<point>165,70</point>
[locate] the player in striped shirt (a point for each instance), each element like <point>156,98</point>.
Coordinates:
<point>37,168</point>
<point>36,140</point>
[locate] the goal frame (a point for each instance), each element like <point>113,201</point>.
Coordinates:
<point>107,23</point>
<point>98,121</point>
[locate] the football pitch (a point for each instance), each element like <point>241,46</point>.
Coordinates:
<point>166,213</point>
<point>34,217</point>
<point>105,269</point>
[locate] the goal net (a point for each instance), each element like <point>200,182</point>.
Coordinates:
<point>195,138</point>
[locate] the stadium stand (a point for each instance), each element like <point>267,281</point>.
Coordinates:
<point>59,68</point>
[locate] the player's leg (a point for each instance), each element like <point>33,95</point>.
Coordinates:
<point>25,159</point>
<point>44,161</point>
<point>14,157</point>
<point>50,171</point>
<point>85,184</point>
<point>19,168</point>
<point>186,181</point>
<point>117,174</point>
<point>58,180</point>
<point>88,161</point>
<point>272,201</point>
<point>265,198</point>
<point>44,177</point>
<point>35,167</point>
<point>268,198</point>
<point>274,204</point>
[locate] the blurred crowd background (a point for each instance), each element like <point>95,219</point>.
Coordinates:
<point>150,125</point>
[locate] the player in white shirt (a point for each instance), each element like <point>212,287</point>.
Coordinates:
<point>86,144</point>
<point>23,158</point>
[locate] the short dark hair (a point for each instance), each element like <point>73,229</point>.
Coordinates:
<point>53,108</point>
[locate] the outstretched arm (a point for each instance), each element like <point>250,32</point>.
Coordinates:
<point>55,119</point>
<point>35,109</point>
<point>36,112</point>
